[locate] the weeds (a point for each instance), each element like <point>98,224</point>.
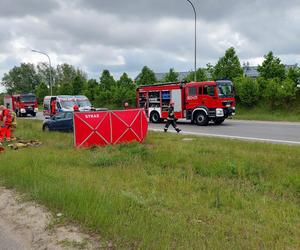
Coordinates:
<point>165,193</point>
<point>265,114</point>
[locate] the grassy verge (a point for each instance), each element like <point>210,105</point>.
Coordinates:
<point>263,114</point>
<point>166,193</point>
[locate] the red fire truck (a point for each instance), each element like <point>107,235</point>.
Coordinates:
<point>22,104</point>
<point>199,102</point>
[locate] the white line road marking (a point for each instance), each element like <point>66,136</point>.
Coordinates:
<point>231,137</point>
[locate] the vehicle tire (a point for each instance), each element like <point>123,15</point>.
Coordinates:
<point>18,113</point>
<point>33,114</point>
<point>154,117</point>
<point>219,121</point>
<point>46,128</point>
<point>201,119</point>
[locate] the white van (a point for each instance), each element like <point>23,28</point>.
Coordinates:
<point>83,103</point>
<point>63,103</point>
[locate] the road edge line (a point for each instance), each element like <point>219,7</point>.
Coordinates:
<point>233,137</point>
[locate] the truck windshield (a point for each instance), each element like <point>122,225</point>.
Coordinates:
<point>28,98</point>
<point>67,104</point>
<point>84,103</point>
<point>225,89</point>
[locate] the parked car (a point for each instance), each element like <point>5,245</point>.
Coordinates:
<point>60,122</point>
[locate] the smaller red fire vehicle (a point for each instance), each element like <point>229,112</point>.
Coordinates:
<point>22,104</point>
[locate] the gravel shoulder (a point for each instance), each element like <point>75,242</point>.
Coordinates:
<point>27,225</point>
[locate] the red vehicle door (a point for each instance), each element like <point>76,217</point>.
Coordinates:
<point>209,96</point>
<point>192,97</point>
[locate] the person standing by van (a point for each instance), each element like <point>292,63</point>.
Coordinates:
<point>53,108</point>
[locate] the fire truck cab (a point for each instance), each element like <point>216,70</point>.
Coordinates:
<point>199,102</point>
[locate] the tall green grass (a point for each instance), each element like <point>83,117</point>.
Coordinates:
<point>265,114</point>
<point>165,193</point>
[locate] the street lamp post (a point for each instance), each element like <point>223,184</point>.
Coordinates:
<point>195,66</point>
<point>50,70</point>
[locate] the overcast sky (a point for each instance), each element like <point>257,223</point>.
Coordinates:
<point>125,35</point>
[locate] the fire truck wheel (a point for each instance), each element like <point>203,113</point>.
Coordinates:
<point>33,114</point>
<point>201,119</point>
<point>219,121</point>
<point>154,117</point>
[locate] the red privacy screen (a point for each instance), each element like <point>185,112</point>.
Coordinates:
<point>109,127</point>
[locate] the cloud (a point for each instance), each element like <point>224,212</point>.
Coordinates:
<point>20,8</point>
<point>122,36</point>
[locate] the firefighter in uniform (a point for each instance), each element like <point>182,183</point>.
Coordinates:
<point>6,122</point>
<point>1,125</point>
<point>171,118</point>
<point>75,108</point>
<point>53,108</point>
<point>13,125</point>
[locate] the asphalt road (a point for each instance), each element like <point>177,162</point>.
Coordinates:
<point>271,132</point>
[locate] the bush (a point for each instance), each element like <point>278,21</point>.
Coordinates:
<point>262,84</point>
<point>247,91</point>
<point>279,93</point>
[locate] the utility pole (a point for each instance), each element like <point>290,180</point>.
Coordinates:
<point>50,69</point>
<point>195,63</point>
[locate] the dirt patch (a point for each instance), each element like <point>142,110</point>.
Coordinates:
<point>33,227</point>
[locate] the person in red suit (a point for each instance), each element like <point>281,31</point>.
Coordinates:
<point>76,108</point>
<point>6,121</point>
<point>53,108</point>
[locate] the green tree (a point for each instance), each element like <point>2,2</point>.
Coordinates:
<point>247,91</point>
<point>43,71</point>
<point>200,75</point>
<point>123,91</point>
<point>66,88</point>
<point>210,69</point>
<point>294,74</point>
<point>124,80</point>
<point>65,76</point>
<point>106,80</point>
<point>271,67</point>
<point>228,66</point>
<point>21,79</point>
<point>78,83</point>
<point>121,94</point>
<point>91,90</point>
<point>171,76</point>
<point>146,77</point>
<point>103,98</point>
<point>41,91</point>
